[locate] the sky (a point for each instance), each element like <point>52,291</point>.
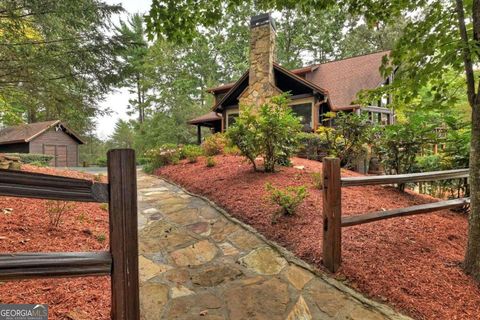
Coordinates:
<point>117,101</point>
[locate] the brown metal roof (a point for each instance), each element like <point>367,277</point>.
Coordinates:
<point>211,116</point>
<point>27,132</point>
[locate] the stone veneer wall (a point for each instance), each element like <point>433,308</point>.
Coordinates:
<point>261,81</point>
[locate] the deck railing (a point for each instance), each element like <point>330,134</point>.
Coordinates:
<point>333,222</point>
<point>121,262</point>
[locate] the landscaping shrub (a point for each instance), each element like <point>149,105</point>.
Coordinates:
<point>214,144</point>
<point>164,155</point>
<point>231,151</point>
<point>101,161</point>
<point>317,179</point>
<point>33,158</point>
<point>288,198</point>
<point>191,152</point>
<point>311,146</point>
<point>210,162</point>
<point>245,136</point>
<point>347,140</point>
<point>270,131</point>
<point>56,209</point>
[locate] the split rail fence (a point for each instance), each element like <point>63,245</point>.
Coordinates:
<point>333,222</point>
<point>121,262</point>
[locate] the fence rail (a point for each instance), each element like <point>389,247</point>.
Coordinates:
<point>44,186</point>
<point>349,221</point>
<point>404,178</point>
<point>332,208</point>
<point>121,262</point>
<point>45,265</point>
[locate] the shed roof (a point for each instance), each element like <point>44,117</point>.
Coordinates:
<point>27,132</point>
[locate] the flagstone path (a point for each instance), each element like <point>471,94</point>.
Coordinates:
<point>195,263</point>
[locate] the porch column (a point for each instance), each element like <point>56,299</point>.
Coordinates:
<point>199,134</point>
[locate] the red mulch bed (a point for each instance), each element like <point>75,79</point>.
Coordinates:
<point>411,263</point>
<point>84,227</point>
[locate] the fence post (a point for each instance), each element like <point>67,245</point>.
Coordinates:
<point>332,214</point>
<point>122,209</point>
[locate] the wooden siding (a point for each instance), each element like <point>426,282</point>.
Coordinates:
<point>62,141</point>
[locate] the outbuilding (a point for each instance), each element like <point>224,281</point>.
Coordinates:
<point>47,137</point>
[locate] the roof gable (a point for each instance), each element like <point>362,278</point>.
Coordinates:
<point>27,132</point>
<point>231,97</point>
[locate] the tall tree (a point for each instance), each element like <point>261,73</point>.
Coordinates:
<point>123,135</point>
<point>133,53</point>
<point>361,38</point>
<point>57,60</point>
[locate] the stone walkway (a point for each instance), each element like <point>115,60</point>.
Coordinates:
<point>197,264</point>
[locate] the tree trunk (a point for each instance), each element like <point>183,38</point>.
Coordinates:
<point>139,100</point>
<point>32,115</point>
<point>472,255</point>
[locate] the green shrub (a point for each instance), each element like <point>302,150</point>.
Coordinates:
<point>101,161</point>
<point>210,162</point>
<point>56,210</point>
<point>270,131</point>
<point>101,237</point>
<point>288,198</point>
<point>159,157</point>
<point>311,146</point>
<point>317,179</point>
<point>148,168</point>
<point>38,164</point>
<point>245,136</point>
<point>348,137</point>
<point>192,152</point>
<point>232,151</point>
<point>214,144</point>
<point>29,158</point>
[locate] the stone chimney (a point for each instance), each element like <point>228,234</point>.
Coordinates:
<point>261,81</point>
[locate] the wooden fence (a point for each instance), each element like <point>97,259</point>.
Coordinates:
<point>333,222</point>
<point>121,262</point>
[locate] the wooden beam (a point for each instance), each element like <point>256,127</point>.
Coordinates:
<point>348,221</point>
<point>332,214</point>
<point>123,234</point>
<point>16,266</point>
<point>199,134</point>
<point>43,186</point>
<point>405,178</point>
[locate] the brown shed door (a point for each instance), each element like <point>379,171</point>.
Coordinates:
<point>61,156</point>
<point>50,150</point>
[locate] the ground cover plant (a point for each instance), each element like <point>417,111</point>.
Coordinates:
<point>25,227</point>
<point>288,198</point>
<point>412,263</point>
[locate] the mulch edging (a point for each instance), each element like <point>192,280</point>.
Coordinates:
<point>291,258</point>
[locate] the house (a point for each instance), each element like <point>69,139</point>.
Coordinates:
<point>314,90</point>
<point>48,137</point>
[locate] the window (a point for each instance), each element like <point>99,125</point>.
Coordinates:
<point>231,118</point>
<point>304,112</point>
